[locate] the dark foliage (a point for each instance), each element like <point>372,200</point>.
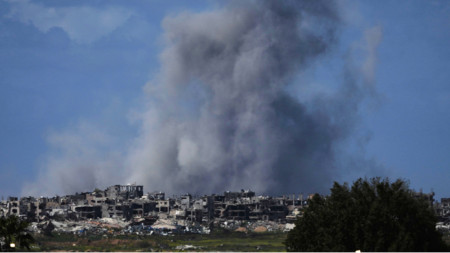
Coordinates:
<point>14,230</point>
<point>372,215</point>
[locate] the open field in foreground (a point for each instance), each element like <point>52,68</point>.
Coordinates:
<point>217,241</point>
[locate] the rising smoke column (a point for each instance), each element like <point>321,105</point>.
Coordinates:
<point>219,115</point>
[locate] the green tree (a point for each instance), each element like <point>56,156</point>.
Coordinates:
<point>372,215</point>
<point>14,230</point>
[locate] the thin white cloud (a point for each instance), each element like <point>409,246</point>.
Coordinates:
<point>83,24</point>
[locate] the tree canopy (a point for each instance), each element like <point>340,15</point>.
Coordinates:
<point>373,215</point>
<point>14,230</point>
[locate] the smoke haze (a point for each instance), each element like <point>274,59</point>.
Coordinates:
<point>223,118</point>
<point>219,115</point>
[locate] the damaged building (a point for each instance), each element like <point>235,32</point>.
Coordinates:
<point>127,202</point>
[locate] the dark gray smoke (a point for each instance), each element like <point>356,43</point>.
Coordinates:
<point>220,116</point>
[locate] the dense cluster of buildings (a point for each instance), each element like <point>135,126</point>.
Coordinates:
<point>129,205</point>
<point>127,202</point>
<point>443,212</point>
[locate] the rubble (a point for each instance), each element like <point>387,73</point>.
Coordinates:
<point>289,227</point>
<point>125,209</point>
<point>121,210</point>
<point>165,224</point>
<point>187,247</point>
<point>241,229</point>
<point>260,229</point>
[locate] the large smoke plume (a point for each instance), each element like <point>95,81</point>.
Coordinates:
<point>220,115</point>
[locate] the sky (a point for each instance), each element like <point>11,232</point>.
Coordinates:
<point>94,93</point>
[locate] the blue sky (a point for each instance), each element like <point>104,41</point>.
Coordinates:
<point>70,66</point>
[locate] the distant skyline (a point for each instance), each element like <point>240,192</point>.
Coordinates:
<point>77,79</point>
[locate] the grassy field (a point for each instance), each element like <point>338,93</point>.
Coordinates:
<point>217,241</point>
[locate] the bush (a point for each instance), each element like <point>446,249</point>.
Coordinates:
<point>14,230</point>
<point>374,215</point>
